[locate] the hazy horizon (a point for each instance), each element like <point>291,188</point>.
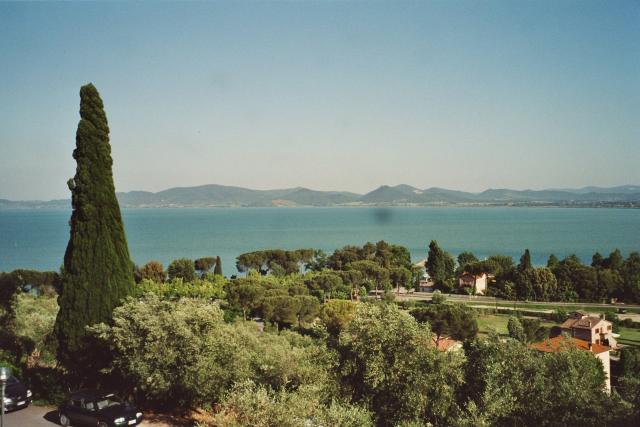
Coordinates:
<point>325,95</point>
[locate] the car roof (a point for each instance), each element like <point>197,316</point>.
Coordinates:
<point>90,394</point>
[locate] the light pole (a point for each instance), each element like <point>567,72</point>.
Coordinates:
<point>5,373</point>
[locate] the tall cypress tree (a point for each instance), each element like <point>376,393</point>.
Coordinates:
<point>440,264</point>
<point>218,268</point>
<point>98,272</point>
<point>525,261</point>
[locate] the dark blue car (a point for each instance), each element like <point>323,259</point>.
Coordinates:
<point>95,408</point>
<point>17,395</point>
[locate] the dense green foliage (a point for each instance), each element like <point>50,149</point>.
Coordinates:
<point>382,266</point>
<point>628,384</point>
<point>506,384</point>
<point>209,288</point>
<point>153,270</point>
<point>35,318</point>
<point>525,261</point>
<point>382,253</point>
<point>440,266</point>
<point>17,281</point>
<point>26,321</point>
<point>561,280</point>
<point>204,265</point>
<point>284,301</point>
<point>217,270</point>
<point>516,331</point>
<point>183,353</point>
<point>98,272</point>
<point>182,268</point>
<point>276,261</point>
<point>454,321</point>
<point>388,363</point>
<point>248,404</point>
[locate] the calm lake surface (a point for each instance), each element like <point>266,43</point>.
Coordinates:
<point>37,238</point>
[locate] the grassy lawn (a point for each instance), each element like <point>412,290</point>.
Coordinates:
<point>492,323</point>
<point>553,306</point>
<point>629,336</point>
<point>498,323</point>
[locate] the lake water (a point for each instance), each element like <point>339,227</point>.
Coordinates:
<point>37,238</point>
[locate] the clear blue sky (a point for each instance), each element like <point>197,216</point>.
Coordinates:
<point>327,95</point>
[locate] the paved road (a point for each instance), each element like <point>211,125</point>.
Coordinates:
<point>31,416</point>
<point>45,416</point>
<point>477,298</point>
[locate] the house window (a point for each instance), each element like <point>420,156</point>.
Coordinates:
<point>597,330</point>
<point>609,327</point>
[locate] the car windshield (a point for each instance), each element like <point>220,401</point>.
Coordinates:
<point>12,380</point>
<point>107,401</point>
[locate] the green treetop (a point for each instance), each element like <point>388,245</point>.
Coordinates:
<point>440,264</point>
<point>218,268</point>
<point>525,261</point>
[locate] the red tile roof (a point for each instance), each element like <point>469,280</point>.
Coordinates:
<point>444,344</point>
<point>588,322</point>
<point>561,343</point>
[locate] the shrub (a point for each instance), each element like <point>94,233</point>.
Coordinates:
<point>438,298</point>
<point>181,354</point>
<point>182,268</point>
<point>35,318</point>
<point>179,288</point>
<point>248,404</point>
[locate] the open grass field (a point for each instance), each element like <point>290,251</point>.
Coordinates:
<point>488,323</point>
<point>553,306</point>
<point>629,336</point>
<point>492,323</point>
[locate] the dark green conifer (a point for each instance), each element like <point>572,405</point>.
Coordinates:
<point>440,264</point>
<point>525,261</point>
<point>218,268</point>
<point>97,272</point>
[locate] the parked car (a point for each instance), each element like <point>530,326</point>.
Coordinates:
<point>96,408</point>
<point>17,395</point>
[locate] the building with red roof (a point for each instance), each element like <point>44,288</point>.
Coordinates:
<point>564,343</point>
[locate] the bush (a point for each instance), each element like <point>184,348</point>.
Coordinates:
<point>47,384</point>
<point>179,288</point>
<point>181,354</point>
<point>388,362</point>
<point>35,317</point>
<point>7,361</point>
<point>408,304</point>
<point>438,298</point>
<point>182,268</point>
<point>560,315</point>
<point>248,404</point>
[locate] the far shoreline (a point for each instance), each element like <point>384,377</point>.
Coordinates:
<point>394,206</point>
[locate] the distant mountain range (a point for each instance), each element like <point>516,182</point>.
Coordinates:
<point>400,195</point>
